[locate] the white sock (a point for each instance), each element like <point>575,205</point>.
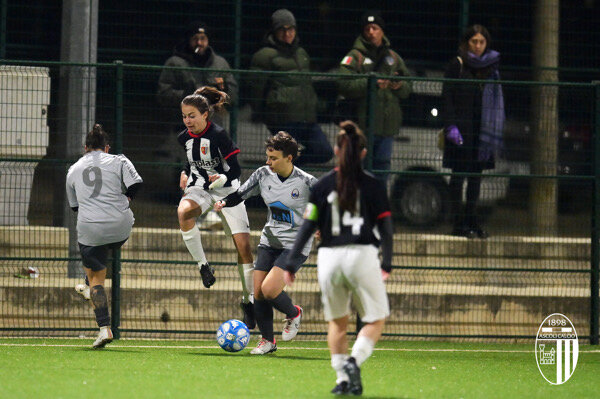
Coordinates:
<point>362,349</point>
<point>337,363</point>
<point>194,245</point>
<point>246,272</point>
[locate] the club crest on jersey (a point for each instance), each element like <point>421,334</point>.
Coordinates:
<point>204,149</point>
<point>295,193</point>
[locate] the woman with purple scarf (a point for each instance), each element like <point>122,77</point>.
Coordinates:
<point>473,115</point>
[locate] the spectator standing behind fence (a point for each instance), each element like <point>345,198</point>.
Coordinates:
<point>194,51</point>
<point>288,102</point>
<point>100,187</point>
<point>371,52</point>
<point>473,115</point>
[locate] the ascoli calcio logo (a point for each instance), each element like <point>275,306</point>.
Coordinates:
<point>556,349</point>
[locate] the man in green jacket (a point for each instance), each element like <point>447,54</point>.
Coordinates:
<point>285,101</point>
<point>371,52</point>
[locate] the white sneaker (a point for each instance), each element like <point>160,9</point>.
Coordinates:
<point>264,347</point>
<point>83,290</point>
<point>105,336</point>
<point>290,328</point>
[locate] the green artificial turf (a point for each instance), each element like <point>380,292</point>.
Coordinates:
<point>31,368</point>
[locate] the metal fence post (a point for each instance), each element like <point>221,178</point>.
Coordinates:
<point>116,262</point>
<point>237,62</point>
<point>3,16</point>
<point>595,249</point>
<point>371,97</point>
<point>118,106</point>
<point>115,300</point>
<point>463,17</point>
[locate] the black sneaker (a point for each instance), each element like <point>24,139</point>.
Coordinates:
<point>208,277</point>
<point>340,389</point>
<point>353,371</point>
<point>248,309</point>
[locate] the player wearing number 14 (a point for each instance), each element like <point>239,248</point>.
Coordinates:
<point>350,208</point>
<point>99,188</point>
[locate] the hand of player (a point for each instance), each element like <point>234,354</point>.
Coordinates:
<point>183,181</point>
<point>318,235</point>
<point>289,277</point>
<point>217,181</point>
<point>219,205</point>
<point>384,274</point>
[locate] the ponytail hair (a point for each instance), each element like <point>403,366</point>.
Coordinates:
<point>350,142</point>
<point>207,99</point>
<point>96,139</point>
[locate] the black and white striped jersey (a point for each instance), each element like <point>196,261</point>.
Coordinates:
<point>209,152</point>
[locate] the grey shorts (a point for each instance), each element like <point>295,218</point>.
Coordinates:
<point>267,257</point>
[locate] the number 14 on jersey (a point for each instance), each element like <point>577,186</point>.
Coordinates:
<point>348,219</point>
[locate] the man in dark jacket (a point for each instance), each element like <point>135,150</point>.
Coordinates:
<point>288,102</point>
<point>371,52</point>
<point>195,51</point>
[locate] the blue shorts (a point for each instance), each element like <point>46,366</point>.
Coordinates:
<point>267,257</point>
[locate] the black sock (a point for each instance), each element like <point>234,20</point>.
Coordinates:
<point>263,312</point>
<point>100,302</point>
<point>284,304</point>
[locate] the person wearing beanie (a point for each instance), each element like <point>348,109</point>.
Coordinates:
<point>192,51</point>
<point>287,102</point>
<point>372,52</point>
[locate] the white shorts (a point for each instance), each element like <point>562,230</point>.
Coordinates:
<point>352,272</point>
<point>235,218</point>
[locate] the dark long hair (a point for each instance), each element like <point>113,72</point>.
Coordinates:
<point>96,139</point>
<point>207,98</point>
<point>463,48</point>
<point>350,142</point>
<point>463,45</point>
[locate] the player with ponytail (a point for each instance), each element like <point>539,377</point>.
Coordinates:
<point>212,172</point>
<point>348,205</point>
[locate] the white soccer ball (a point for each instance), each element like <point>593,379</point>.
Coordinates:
<point>233,335</point>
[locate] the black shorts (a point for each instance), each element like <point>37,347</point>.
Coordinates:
<point>267,257</point>
<point>95,257</point>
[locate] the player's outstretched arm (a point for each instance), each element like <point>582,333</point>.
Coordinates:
<point>386,229</point>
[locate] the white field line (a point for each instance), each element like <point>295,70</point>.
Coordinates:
<point>279,348</point>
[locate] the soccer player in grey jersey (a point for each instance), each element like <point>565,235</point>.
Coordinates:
<point>99,188</point>
<point>285,190</point>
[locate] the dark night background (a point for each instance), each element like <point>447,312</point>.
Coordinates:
<point>425,31</point>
